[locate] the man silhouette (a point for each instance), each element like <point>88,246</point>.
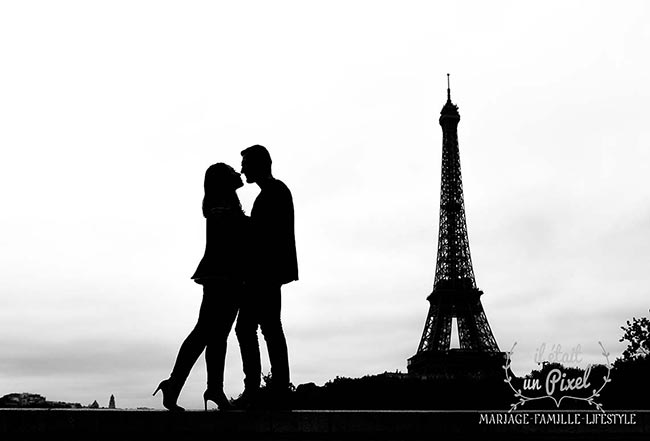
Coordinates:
<point>273,263</point>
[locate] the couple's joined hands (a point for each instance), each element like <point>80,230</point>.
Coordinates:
<point>220,210</point>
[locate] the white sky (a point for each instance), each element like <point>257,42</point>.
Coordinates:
<point>110,112</point>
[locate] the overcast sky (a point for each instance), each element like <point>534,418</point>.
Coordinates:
<point>110,112</point>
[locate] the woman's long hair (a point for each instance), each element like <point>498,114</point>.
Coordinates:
<point>220,187</point>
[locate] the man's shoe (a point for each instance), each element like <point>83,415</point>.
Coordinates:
<point>280,398</point>
<point>247,400</point>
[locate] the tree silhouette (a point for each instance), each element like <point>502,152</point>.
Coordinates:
<point>637,333</point>
<point>630,386</point>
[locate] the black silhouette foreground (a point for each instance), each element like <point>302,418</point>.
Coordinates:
<point>629,388</point>
<point>272,263</point>
<point>221,274</point>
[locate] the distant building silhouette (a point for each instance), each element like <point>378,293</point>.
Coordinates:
<point>28,400</point>
<point>94,405</point>
<point>455,295</point>
<point>111,402</point>
<point>22,400</point>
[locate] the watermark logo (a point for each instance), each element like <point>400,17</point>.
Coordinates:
<point>560,378</point>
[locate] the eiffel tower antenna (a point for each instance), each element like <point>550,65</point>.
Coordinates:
<point>455,294</point>
<point>448,90</point>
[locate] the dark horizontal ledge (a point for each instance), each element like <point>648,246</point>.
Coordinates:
<point>121,425</point>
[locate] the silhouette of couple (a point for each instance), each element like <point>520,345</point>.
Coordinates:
<point>246,262</point>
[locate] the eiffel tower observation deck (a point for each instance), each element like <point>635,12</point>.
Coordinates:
<point>455,298</point>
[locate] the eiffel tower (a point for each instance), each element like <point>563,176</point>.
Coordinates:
<point>455,295</point>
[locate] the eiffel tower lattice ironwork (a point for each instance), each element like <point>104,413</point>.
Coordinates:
<point>455,294</point>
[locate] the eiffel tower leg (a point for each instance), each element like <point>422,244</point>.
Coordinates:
<point>486,337</point>
<point>464,335</point>
<point>467,333</point>
<point>429,329</point>
<point>442,336</point>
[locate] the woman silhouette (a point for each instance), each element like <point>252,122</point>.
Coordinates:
<point>221,274</point>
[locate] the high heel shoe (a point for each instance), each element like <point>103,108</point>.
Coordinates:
<point>170,394</point>
<point>219,399</point>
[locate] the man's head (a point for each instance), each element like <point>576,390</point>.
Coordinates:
<point>256,163</point>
